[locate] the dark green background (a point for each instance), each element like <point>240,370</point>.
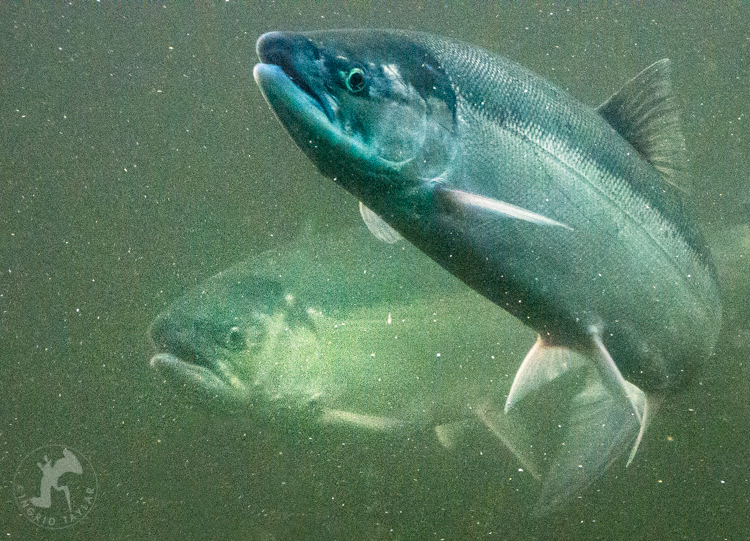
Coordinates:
<point>137,157</point>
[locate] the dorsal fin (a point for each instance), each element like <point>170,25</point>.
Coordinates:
<point>644,112</point>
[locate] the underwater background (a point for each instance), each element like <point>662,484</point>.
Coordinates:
<point>138,158</point>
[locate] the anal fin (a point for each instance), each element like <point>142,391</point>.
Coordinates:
<point>375,423</point>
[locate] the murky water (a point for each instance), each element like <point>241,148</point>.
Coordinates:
<point>137,158</point>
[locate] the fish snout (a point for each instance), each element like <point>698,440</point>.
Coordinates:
<point>169,337</point>
<point>293,53</point>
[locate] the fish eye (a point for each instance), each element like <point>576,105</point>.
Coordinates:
<point>235,339</point>
<point>355,80</point>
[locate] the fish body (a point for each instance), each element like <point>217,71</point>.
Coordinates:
<point>332,330</point>
<point>571,218</point>
<point>334,333</point>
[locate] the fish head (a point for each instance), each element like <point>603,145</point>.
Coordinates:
<point>229,340</point>
<point>372,109</point>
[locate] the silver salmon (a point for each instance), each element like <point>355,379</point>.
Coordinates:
<point>574,219</point>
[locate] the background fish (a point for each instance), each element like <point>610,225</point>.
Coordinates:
<point>339,331</point>
<point>570,218</point>
<point>332,333</point>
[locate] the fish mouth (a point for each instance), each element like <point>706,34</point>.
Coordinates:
<point>174,368</point>
<point>281,91</point>
<point>298,58</point>
<point>177,358</point>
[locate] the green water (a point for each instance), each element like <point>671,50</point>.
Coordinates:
<point>137,158</point>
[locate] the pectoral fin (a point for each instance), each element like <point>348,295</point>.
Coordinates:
<point>465,199</point>
<point>369,422</point>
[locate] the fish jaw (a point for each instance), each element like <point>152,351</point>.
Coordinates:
<point>185,357</point>
<point>175,369</point>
